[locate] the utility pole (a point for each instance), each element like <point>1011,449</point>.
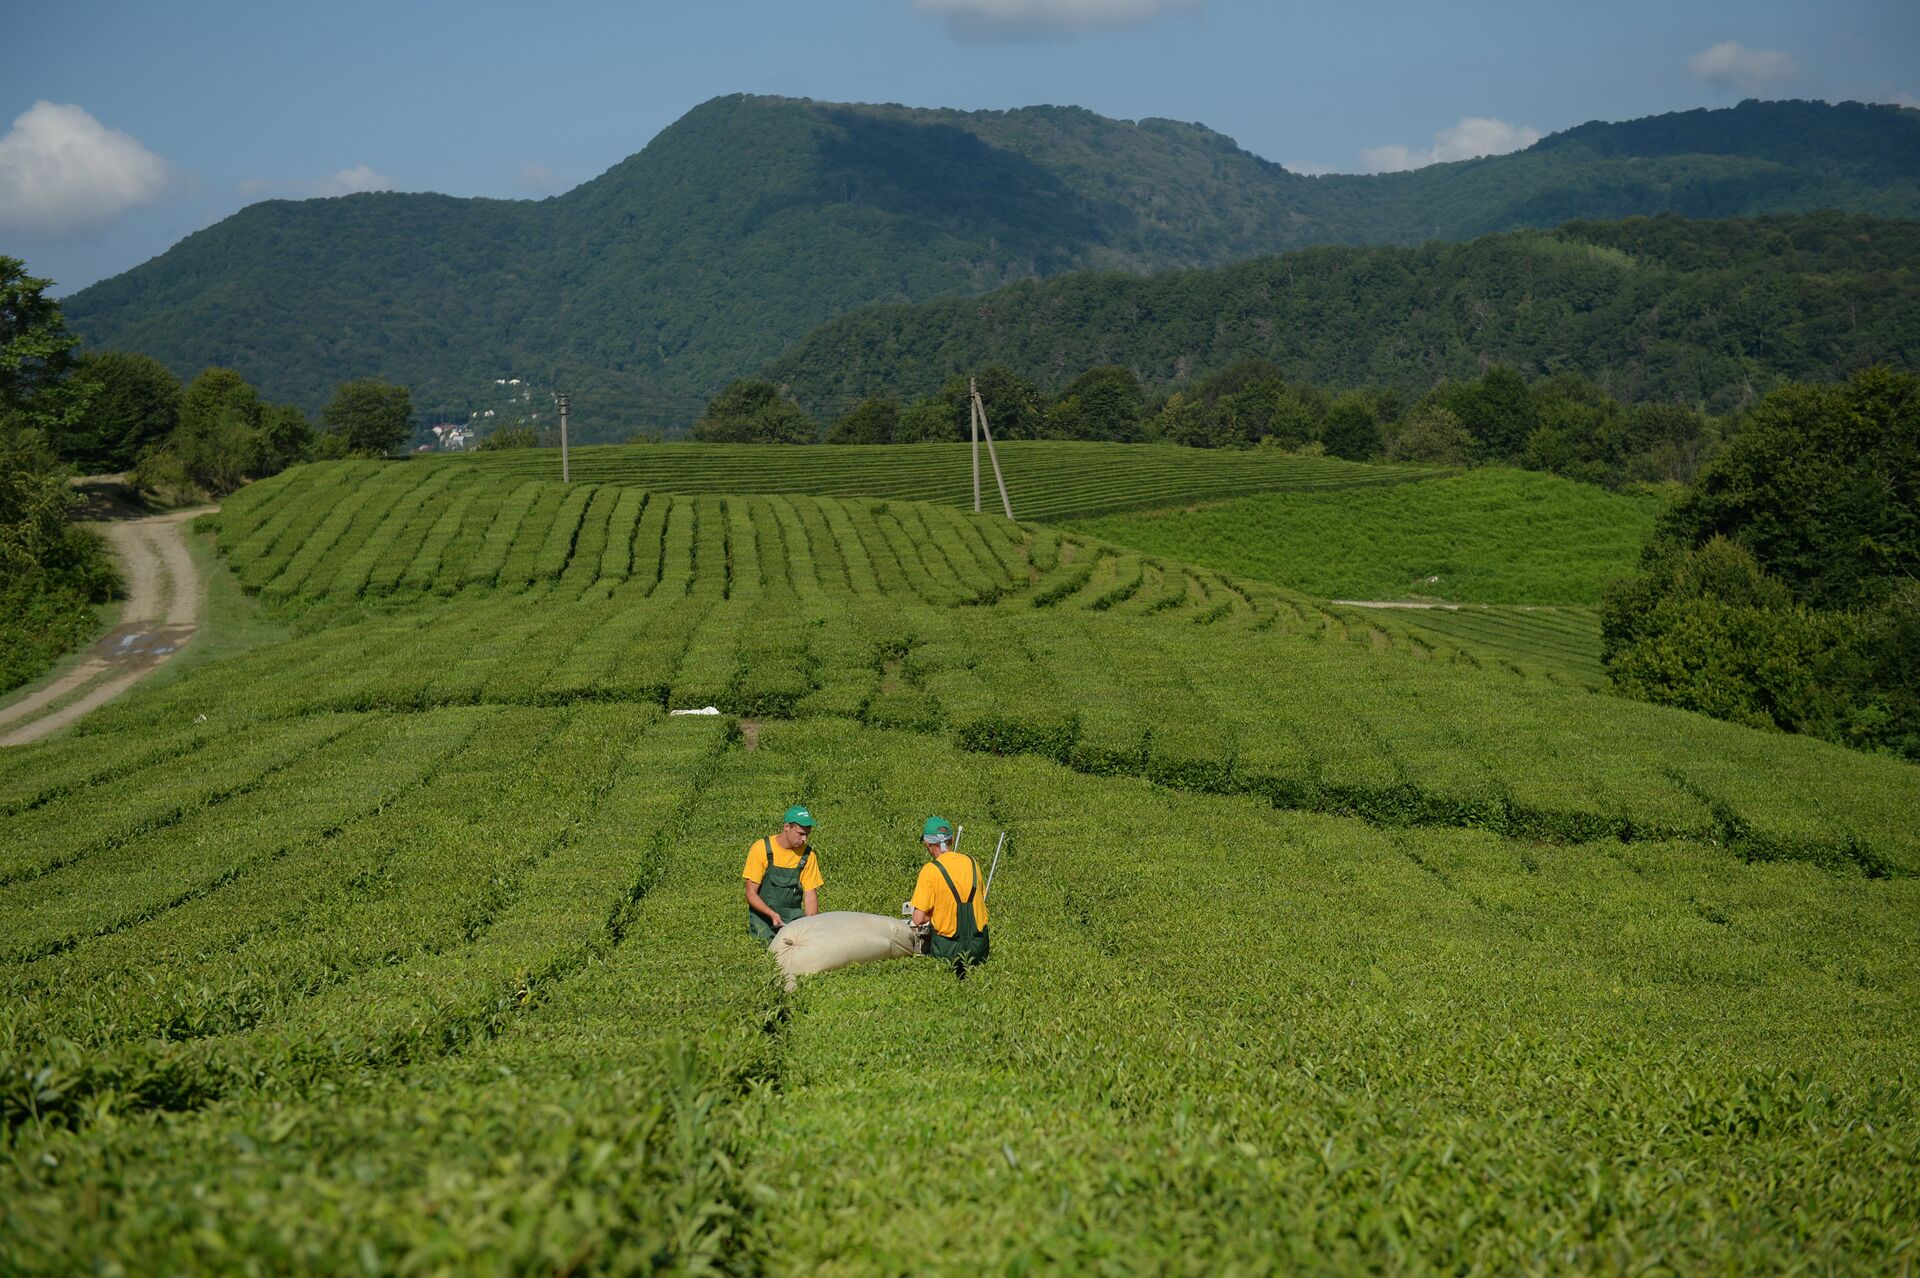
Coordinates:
<point>566,476</point>
<point>973,420</point>
<point>980,416</point>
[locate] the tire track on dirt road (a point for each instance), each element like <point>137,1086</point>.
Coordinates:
<point>162,613</point>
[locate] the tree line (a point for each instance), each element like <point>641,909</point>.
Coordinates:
<point>1653,310</point>
<point>63,412</point>
<point>210,435</point>
<point>1563,424</point>
<point>120,411</point>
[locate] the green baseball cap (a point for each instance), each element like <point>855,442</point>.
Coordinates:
<point>798,815</point>
<point>936,830</point>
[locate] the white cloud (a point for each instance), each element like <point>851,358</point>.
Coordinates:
<point>1018,19</point>
<point>361,177</point>
<point>538,180</point>
<point>1473,136</point>
<point>1899,97</point>
<point>64,173</point>
<point>1732,67</point>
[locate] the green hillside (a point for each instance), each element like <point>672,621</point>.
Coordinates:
<point>1513,562</point>
<point>1489,536</point>
<point>1314,942</point>
<point>1659,309</point>
<point>752,220</point>
<point>1052,479</point>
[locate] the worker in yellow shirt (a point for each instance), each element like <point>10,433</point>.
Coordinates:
<point>783,876</point>
<point>949,895</point>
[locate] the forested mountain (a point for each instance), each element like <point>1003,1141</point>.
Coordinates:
<point>752,220</point>
<point>1708,313</point>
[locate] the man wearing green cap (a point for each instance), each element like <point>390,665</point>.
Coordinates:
<point>783,876</point>
<point>949,895</point>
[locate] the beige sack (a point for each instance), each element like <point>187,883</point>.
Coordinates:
<point>838,938</point>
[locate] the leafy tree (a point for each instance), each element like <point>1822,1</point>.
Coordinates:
<point>1767,668</point>
<point>1780,589</point>
<point>51,570</point>
<point>372,418</point>
<point>754,412</point>
<point>283,438</point>
<point>872,421</point>
<point>136,407</point>
<point>1822,485</point>
<point>1238,407</point>
<point>225,436</point>
<point>1351,430</point>
<point>214,395</point>
<point>1641,427</point>
<point>1431,435</point>
<point>1101,403</point>
<point>1012,402</point>
<point>933,420</point>
<point>220,415</point>
<point>1496,410</point>
<point>36,353</point>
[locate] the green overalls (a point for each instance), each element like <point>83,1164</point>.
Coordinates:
<point>781,891</point>
<point>968,944</point>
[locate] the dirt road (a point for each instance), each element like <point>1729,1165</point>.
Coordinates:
<point>161,614</point>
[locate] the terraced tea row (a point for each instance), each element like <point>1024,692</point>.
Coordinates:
<point>355,531</point>
<point>488,847</point>
<point>762,608</point>
<point>1046,480</point>
<point>1560,644</point>
<point>502,1016</point>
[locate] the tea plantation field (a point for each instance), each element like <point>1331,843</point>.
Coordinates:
<point>1523,556</point>
<point>411,943</point>
<point>1052,479</point>
<point>1488,536</point>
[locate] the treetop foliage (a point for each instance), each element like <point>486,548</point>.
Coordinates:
<point>369,417</point>
<point>1783,589</point>
<point>749,412</point>
<point>1658,310</point>
<point>1822,487</point>
<point>36,352</point>
<point>51,570</point>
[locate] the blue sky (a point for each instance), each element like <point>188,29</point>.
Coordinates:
<point>129,125</point>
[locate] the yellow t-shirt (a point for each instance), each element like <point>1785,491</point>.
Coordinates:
<point>810,878</point>
<point>930,893</point>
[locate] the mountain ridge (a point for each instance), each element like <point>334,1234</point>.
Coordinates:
<point>751,220</point>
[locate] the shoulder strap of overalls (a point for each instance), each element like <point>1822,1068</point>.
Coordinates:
<point>956,891</point>
<point>766,845</point>
<point>806,850</point>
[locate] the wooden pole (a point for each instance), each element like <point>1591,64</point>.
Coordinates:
<point>980,407</point>
<point>973,421</point>
<point>566,476</point>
